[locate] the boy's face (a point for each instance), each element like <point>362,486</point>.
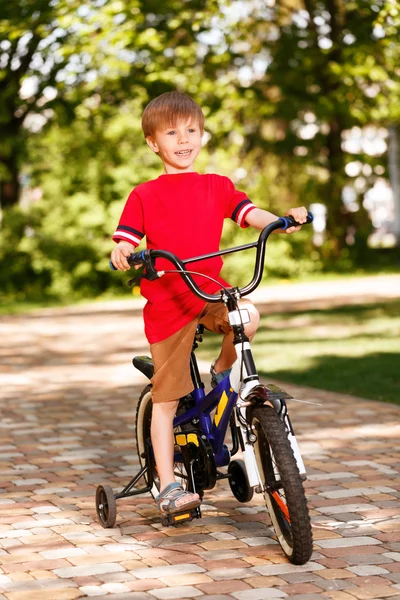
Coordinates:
<point>177,146</point>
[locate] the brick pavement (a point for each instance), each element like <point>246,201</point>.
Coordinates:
<point>68,399</point>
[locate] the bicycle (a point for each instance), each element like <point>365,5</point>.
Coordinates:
<point>256,414</point>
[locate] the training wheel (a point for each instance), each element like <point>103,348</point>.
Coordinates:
<point>239,482</point>
<point>106,506</point>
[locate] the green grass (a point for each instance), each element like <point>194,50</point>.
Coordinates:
<point>352,349</point>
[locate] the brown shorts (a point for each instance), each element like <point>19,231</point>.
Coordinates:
<point>171,357</point>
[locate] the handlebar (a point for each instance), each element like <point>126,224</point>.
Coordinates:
<point>148,257</point>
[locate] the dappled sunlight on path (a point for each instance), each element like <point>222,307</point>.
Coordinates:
<point>68,398</point>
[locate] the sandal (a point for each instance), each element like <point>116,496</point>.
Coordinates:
<point>216,378</point>
<point>166,501</point>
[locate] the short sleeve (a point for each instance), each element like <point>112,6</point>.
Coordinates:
<point>238,205</point>
<point>131,224</point>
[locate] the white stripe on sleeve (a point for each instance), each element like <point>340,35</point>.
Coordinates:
<point>243,212</point>
<point>125,235</point>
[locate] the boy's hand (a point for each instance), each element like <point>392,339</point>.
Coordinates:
<point>299,214</point>
<point>119,255</point>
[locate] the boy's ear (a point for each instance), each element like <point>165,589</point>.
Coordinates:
<point>152,144</point>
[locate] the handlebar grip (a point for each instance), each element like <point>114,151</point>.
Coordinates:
<point>290,222</point>
<point>136,258</point>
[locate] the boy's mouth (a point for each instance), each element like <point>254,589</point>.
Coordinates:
<point>183,153</point>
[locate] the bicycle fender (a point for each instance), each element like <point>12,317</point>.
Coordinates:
<point>269,394</point>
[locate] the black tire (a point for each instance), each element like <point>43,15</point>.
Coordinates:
<point>106,506</point>
<point>284,493</point>
<point>238,481</point>
<point>143,423</point>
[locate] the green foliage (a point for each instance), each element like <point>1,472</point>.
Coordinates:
<point>73,82</point>
<point>297,75</point>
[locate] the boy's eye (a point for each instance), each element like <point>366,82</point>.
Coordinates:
<point>192,130</point>
<point>172,132</point>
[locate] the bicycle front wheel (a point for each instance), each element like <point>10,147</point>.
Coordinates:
<point>283,489</point>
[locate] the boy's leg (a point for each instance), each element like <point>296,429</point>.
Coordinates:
<point>162,439</point>
<point>227,355</point>
<point>171,381</point>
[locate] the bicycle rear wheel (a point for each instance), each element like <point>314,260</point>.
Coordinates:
<point>283,489</point>
<point>143,425</point>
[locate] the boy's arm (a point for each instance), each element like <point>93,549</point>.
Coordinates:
<point>260,218</point>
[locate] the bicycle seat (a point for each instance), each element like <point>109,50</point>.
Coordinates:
<point>144,364</point>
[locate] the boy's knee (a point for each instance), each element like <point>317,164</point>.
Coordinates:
<point>166,407</point>
<point>251,328</point>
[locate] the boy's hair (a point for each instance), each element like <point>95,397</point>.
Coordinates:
<point>169,108</point>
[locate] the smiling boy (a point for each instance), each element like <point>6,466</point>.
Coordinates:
<point>183,212</point>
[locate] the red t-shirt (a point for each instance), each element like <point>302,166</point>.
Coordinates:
<point>184,214</point>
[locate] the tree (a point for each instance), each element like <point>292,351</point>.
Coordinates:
<point>305,72</point>
<point>55,54</point>
<point>31,35</point>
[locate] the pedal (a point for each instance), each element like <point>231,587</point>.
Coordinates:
<point>174,519</point>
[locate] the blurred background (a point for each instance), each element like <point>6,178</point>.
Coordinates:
<point>302,107</point>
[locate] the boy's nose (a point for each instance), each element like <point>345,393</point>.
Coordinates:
<point>182,137</point>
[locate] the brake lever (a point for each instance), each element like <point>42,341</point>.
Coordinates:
<point>150,271</point>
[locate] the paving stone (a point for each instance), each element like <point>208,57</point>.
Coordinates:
<point>92,590</point>
<point>97,569</point>
<point>131,596</point>
<point>367,559</point>
<point>63,553</point>
<point>226,587</point>
<point>62,594</point>
<point>186,579</point>
<point>349,508</point>
<point>309,597</point>
<point>287,568</point>
<point>301,588</point>
<point>223,545</point>
<point>357,492</point>
<point>365,570</point>
<point>176,593</point>
<point>302,577</point>
<point>155,572</point>
<point>216,597</point>
<point>336,584</point>
<point>259,541</point>
<point>393,555</point>
<point>115,588</point>
<point>229,574</point>
<point>44,584</point>
<point>343,542</point>
<point>259,594</point>
<point>120,577</point>
<point>372,592</point>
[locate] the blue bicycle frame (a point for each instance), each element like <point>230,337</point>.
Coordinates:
<point>222,397</point>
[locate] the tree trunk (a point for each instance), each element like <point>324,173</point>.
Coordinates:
<point>394,174</point>
<point>337,222</point>
<point>10,185</point>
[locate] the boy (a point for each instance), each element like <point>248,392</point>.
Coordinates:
<point>183,212</point>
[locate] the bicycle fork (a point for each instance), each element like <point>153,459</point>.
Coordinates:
<point>243,379</point>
